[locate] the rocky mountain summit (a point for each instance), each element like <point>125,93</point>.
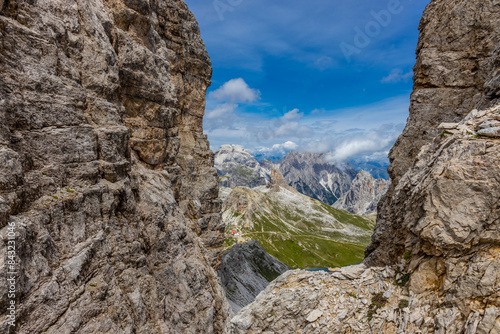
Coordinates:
<point>308,173</point>
<point>313,176</point>
<point>105,174</point>
<point>237,167</point>
<point>364,194</point>
<point>433,264</point>
<point>246,269</point>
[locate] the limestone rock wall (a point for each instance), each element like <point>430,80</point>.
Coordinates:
<point>105,171</point>
<point>457,70</point>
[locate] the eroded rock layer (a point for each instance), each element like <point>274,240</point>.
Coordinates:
<point>105,171</point>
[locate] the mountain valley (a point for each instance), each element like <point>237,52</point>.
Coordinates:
<point>297,230</point>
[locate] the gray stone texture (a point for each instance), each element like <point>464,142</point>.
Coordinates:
<point>105,170</point>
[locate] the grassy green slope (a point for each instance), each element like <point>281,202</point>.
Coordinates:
<point>297,230</point>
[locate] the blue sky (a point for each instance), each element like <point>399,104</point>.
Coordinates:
<point>311,75</point>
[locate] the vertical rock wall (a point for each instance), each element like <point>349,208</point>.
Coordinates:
<point>105,171</point>
<point>457,70</point>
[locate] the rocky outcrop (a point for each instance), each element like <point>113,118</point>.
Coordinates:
<point>364,194</point>
<point>245,271</point>
<point>457,70</point>
<point>313,176</point>
<point>433,264</point>
<point>105,174</point>
<point>236,167</point>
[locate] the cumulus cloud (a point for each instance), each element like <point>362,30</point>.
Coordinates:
<point>235,91</point>
<point>286,129</point>
<point>292,115</point>
<point>370,143</point>
<point>221,110</point>
<point>397,75</point>
<point>287,126</point>
<point>276,151</point>
<point>289,145</point>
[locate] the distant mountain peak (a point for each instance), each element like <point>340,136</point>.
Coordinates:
<point>276,179</point>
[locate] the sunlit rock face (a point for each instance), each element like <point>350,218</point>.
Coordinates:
<point>105,171</point>
<point>434,262</point>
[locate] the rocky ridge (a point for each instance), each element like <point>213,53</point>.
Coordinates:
<point>364,194</point>
<point>313,176</point>
<point>354,299</point>
<point>308,173</point>
<point>104,169</point>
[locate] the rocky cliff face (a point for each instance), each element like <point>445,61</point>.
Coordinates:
<point>104,170</point>
<point>434,256</point>
<point>364,194</point>
<point>457,70</point>
<point>313,176</point>
<point>246,269</point>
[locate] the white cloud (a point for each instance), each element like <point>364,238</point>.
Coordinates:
<point>397,75</point>
<point>292,115</point>
<point>221,110</point>
<point>318,145</point>
<point>235,91</point>
<point>277,150</point>
<point>286,129</point>
<point>371,143</point>
<point>287,126</point>
<point>289,145</point>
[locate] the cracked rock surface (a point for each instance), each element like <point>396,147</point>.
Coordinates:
<point>105,171</point>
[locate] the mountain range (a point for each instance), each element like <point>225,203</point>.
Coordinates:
<point>310,174</point>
